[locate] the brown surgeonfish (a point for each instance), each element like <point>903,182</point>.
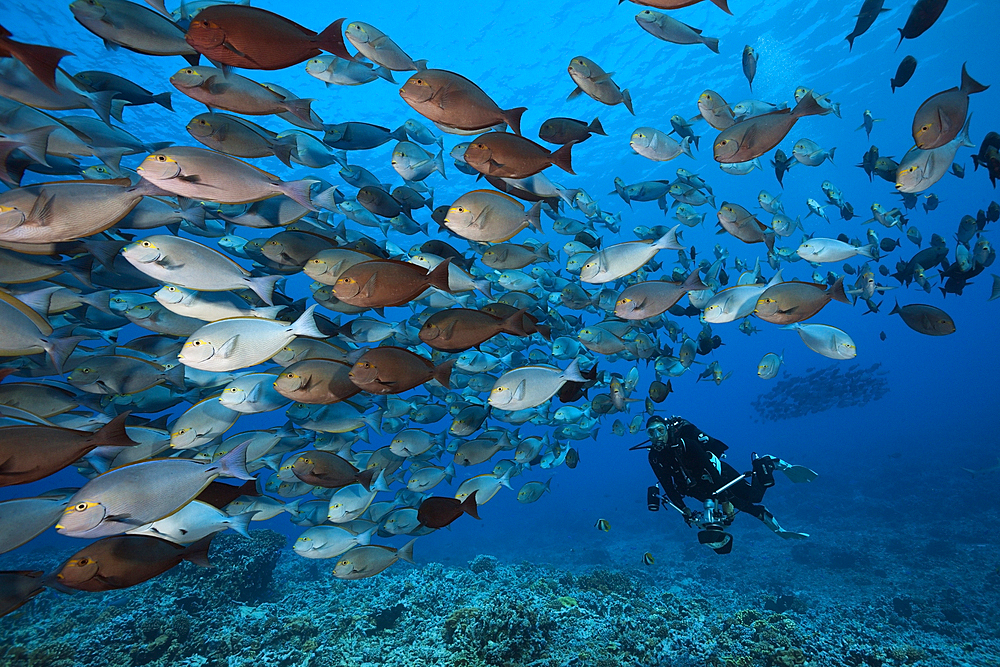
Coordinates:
<point>744,225</point>
<point>330,471</point>
<point>679,4</point>
<point>438,512</point>
<point>529,323</point>
<point>254,38</point>
<point>316,382</point>
<point>655,297</point>
<point>458,329</point>
<point>922,16</point>
<point>506,155</point>
<point>393,370</point>
<point>121,561</point>
<point>452,101</point>
<point>941,117</point>
<point>381,283</point>
<point>752,137</point>
<point>925,319</point>
<point>17,587</point>
<point>29,453</point>
<point>794,301</point>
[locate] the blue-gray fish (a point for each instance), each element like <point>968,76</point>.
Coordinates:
<point>143,492</point>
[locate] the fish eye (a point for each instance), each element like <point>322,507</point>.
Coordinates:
<point>80,507</point>
<point>196,343</point>
<point>234,389</point>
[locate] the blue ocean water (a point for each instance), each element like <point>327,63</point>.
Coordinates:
<point>892,516</point>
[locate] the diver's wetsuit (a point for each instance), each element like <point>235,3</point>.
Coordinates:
<point>688,470</point>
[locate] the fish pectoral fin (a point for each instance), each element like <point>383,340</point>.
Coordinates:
<point>603,77</point>
<point>125,518</point>
<point>518,393</point>
<point>575,94</point>
<point>222,132</point>
<point>494,165</point>
<point>233,49</point>
<point>228,347</point>
<point>369,288</point>
<point>379,41</point>
<point>214,86</point>
<point>41,211</point>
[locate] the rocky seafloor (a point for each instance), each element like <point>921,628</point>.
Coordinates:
<point>857,604</point>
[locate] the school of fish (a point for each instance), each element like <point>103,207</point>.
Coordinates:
<point>431,333</point>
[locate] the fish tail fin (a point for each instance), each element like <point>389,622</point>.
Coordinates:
<point>595,127</point>
<point>421,64</point>
<point>627,101</point>
<point>192,58</point>
<point>442,373</point>
<point>438,276</point>
<point>197,553</point>
<point>100,103</point>
<point>723,5</point>
<point>850,41</point>
<point>59,349</point>
<point>901,37</point>
<point>263,286</point>
<point>514,323</point>
<point>534,216</point>
<point>449,472</point>
<point>34,143</point>
<point>234,464</point>
<point>572,372</point>
<point>712,43</point>
<point>113,433</point>
<point>299,192</point>
<point>268,313</point>
<point>241,523</point>
<point>42,61</point>
<point>484,286</point>
<point>406,551</point>
<point>837,291</point>
<point>365,538</point>
<point>807,106</point>
<point>545,331</point>
<point>163,99</point>
<point>669,240</point>
<point>868,251</point>
<point>563,159</point>
<point>969,85</point>
<point>300,108</point>
<point>306,324</point>
<point>384,73</point>
<point>686,147</point>
<point>332,40</point>
<point>964,136</point>
<point>693,282</point>
<point>283,149</point>
<point>175,377</point>
<point>374,421</point>
<point>896,308</point>
<point>830,158</point>
<point>513,118</point>
<point>364,478</point>
<point>469,505</point>
<point>439,163</point>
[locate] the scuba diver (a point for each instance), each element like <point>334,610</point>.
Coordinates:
<point>687,462</point>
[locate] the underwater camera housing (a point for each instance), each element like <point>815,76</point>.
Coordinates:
<point>716,538</point>
<point>653,499</point>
